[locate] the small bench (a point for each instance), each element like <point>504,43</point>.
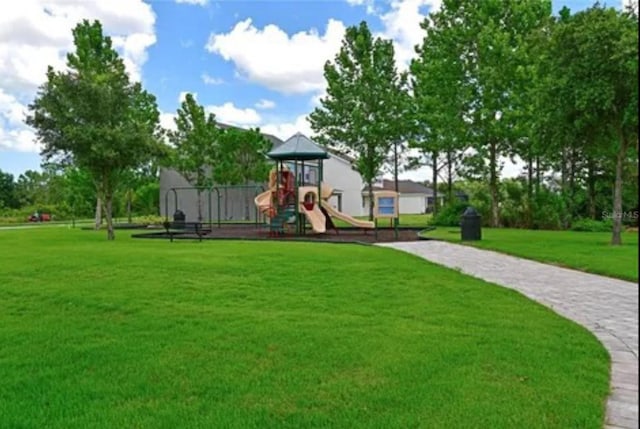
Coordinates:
<point>179,227</point>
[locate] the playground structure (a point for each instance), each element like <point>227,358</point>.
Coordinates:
<point>287,201</point>
<point>290,202</point>
<point>283,207</point>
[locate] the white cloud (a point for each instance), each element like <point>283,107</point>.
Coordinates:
<point>19,139</point>
<point>11,110</point>
<point>210,80</point>
<point>315,100</point>
<point>14,134</point>
<point>134,51</point>
<point>167,121</point>
<point>227,113</point>
<point>270,57</point>
<point>370,5</point>
<point>183,96</point>
<point>265,104</point>
<point>402,25</point>
<point>195,2</point>
<point>284,130</point>
<point>37,33</point>
<point>293,64</point>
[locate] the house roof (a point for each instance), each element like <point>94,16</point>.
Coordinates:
<point>404,187</point>
<point>298,148</point>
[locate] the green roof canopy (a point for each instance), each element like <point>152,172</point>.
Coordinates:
<point>298,148</point>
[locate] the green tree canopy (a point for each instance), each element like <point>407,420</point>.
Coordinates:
<point>93,116</point>
<point>242,157</point>
<point>359,114</point>
<point>195,145</point>
<point>592,87</point>
<point>8,197</point>
<point>478,57</point>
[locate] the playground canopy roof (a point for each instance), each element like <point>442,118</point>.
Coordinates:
<point>298,148</point>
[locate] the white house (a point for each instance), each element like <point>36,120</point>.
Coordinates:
<point>415,198</point>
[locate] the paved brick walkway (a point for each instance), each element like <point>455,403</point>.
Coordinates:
<point>606,306</point>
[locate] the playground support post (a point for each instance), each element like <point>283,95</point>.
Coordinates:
<point>302,220</point>
<point>297,185</point>
<point>320,178</point>
<point>396,222</point>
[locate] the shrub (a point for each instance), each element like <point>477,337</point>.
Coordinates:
<point>148,220</point>
<point>548,210</point>
<point>590,225</point>
<point>449,215</point>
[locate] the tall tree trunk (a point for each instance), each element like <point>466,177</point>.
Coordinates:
<point>529,219</point>
<point>199,193</point>
<point>108,211</point>
<point>129,206</point>
<point>591,188</point>
<point>226,204</point>
<point>370,185</point>
<point>450,198</point>
<point>247,210</point>
<point>98,215</point>
<point>434,165</point>
<point>572,186</point>
<point>395,166</point>
<point>616,238</point>
<point>538,174</point>
<point>563,186</point>
<point>493,185</point>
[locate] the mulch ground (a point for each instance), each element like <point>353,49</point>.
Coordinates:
<point>250,232</point>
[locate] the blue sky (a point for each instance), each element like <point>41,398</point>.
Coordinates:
<point>252,63</point>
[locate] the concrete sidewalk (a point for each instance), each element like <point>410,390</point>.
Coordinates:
<point>607,307</point>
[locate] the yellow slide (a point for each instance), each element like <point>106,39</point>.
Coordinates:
<point>346,218</point>
<point>316,218</point>
<point>263,201</point>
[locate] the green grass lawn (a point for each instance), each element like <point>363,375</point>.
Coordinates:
<point>586,251</point>
<point>152,334</point>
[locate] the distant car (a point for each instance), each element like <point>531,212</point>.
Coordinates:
<point>40,217</point>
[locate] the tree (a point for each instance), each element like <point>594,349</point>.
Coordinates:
<point>7,191</point>
<point>482,42</point>
<point>533,142</point>
<point>195,145</point>
<point>94,116</point>
<point>593,85</point>
<point>80,191</point>
<point>438,85</point>
<point>400,108</point>
<point>31,188</point>
<point>242,158</point>
<point>358,116</point>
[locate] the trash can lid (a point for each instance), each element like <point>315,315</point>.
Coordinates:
<point>470,212</point>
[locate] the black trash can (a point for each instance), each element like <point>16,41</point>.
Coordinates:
<point>471,225</point>
<point>179,219</point>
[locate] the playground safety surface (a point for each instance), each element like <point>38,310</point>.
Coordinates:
<point>251,232</point>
